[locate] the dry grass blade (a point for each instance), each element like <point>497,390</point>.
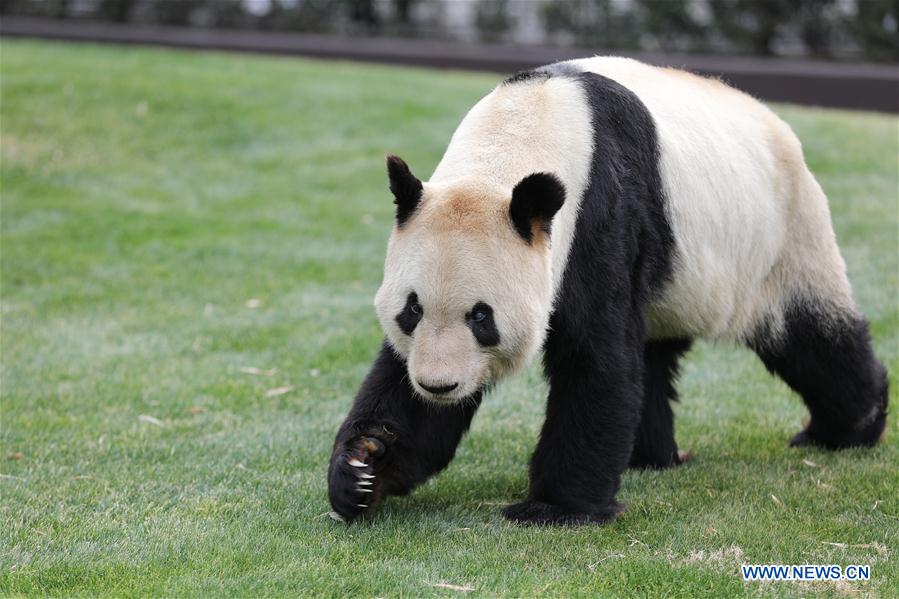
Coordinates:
<point>452,587</point>
<point>279,391</point>
<point>259,371</point>
<point>150,420</point>
<point>878,547</point>
<point>592,567</point>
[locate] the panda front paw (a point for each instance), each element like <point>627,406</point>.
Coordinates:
<point>353,482</point>
<point>538,513</point>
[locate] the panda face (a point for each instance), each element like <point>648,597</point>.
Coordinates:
<point>465,297</point>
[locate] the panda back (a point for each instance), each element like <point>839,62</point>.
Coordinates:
<point>735,191</point>
<point>742,205</point>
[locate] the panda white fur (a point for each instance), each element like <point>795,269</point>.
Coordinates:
<point>608,212</point>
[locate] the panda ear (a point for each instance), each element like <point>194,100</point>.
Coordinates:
<point>406,189</point>
<point>535,200</point>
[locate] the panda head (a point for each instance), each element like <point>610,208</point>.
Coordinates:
<point>467,287</point>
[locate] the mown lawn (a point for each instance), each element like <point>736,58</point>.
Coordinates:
<point>171,219</point>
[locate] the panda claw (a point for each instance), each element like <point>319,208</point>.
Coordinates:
<point>361,490</point>
<point>365,483</point>
<point>362,505</point>
<point>356,463</point>
<point>366,475</point>
<point>684,456</point>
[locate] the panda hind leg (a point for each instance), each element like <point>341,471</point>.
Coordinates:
<point>654,444</point>
<point>826,356</point>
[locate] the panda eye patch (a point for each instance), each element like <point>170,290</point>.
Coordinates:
<point>480,321</point>
<point>408,319</point>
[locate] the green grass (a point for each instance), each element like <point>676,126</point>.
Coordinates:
<point>147,195</point>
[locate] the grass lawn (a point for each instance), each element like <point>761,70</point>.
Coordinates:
<point>172,219</point>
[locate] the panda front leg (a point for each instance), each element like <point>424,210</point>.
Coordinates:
<point>391,441</point>
<point>592,413</point>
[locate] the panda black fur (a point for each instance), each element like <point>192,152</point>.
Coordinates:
<point>612,267</point>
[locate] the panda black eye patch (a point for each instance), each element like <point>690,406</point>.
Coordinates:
<point>411,314</point>
<point>480,321</point>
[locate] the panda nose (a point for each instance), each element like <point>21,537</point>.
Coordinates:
<point>438,389</point>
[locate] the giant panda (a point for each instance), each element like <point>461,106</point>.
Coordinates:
<point>608,213</point>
